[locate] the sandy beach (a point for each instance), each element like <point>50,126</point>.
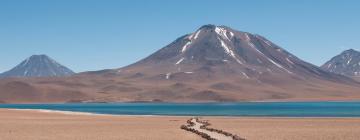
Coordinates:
<point>45,125</point>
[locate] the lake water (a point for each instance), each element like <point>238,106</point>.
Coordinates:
<point>273,109</point>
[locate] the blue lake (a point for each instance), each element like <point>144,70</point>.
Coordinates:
<point>273,109</point>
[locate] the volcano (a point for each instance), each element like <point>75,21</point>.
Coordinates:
<point>214,52</point>
<point>347,63</point>
<point>38,66</point>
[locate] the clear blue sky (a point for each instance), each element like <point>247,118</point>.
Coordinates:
<point>99,34</point>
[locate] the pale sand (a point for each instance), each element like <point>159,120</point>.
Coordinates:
<point>291,128</point>
<point>35,125</point>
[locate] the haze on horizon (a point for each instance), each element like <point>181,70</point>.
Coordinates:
<point>93,35</point>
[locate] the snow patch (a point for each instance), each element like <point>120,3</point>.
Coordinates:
<point>25,73</point>
<point>231,34</point>
<point>329,65</point>
<point>191,36</point>
<point>266,41</point>
<point>226,48</point>
<point>26,62</point>
<point>168,75</point>
<point>189,72</point>
<point>222,32</point>
<point>197,34</point>
<point>178,62</point>
<point>247,38</point>
<point>276,64</point>
<point>246,76</point>
<point>229,51</point>
<point>287,59</point>
<point>53,61</point>
<point>348,62</point>
<point>185,46</point>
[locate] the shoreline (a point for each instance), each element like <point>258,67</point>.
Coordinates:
<point>84,113</point>
<point>59,112</point>
<point>181,116</point>
<point>235,102</point>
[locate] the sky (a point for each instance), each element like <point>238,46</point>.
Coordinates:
<point>87,35</point>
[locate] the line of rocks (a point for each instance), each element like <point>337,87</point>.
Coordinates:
<point>191,124</point>
<point>205,126</point>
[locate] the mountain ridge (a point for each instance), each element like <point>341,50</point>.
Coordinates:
<point>212,64</point>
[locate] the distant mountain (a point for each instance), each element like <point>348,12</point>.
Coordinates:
<point>347,63</point>
<point>219,52</point>
<point>38,66</point>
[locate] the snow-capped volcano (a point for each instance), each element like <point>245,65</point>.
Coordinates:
<point>347,63</point>
<point>38,66</point>
<point>220,50</point>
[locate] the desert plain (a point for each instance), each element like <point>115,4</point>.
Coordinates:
<point>45,125</point>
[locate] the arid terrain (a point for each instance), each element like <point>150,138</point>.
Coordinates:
<point>35,125</point>
<point>291,128</point>
<point>104,88</point>
<point>32,125</point>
